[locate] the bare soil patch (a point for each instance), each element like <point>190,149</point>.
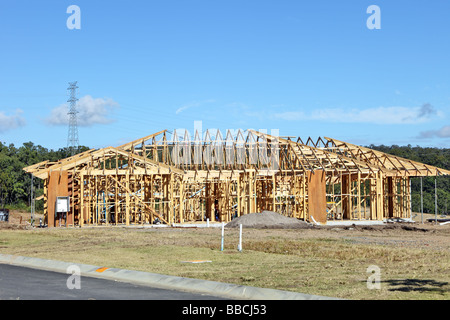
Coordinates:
<point>19,220</point>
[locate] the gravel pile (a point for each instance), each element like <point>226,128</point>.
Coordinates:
<point>268,220</point>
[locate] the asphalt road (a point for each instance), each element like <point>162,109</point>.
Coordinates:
<point>19,283</point>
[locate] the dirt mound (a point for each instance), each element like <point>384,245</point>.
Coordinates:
<point>268,220</point>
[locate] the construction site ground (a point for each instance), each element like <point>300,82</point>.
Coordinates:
<point>413,259</point>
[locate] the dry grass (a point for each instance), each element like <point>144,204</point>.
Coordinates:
<point>414,264</point>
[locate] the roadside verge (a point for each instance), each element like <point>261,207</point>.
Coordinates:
<point>219,289</point>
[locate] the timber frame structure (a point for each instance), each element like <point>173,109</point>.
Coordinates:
<point>157,179</point>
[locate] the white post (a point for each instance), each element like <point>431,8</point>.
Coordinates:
<point>207,222</point>
<point>240,238</point>
<point>421,198</point>
<point>221,247</point>
<point>32,203</point>
<point>435,200</point>
<point>410,199</point>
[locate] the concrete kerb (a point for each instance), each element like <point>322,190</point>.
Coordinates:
<point>219,289</point>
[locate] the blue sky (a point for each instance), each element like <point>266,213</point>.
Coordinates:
<point>306,68</point>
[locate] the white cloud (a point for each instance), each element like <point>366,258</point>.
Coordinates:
<point>443,132</point>
<point>193,104</point>
<point>11,122</point>
<point>380,115</point>
<point>290,115</point>
<point>90,111</point>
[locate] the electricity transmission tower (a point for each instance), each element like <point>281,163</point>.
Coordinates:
<point>72,139</point>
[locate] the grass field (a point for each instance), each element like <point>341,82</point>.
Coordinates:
<point>414,261</point>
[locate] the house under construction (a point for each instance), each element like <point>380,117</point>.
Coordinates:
<point>164,178</point>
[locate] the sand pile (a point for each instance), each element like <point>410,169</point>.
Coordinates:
<point>268,220</point>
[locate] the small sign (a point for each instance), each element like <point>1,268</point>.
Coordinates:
<point>62,204</point>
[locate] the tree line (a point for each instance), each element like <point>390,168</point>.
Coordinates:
<point>438,157</point>
<point>15,184</point>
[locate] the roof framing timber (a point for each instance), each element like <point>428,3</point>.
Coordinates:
<point>156,154</point>
<point>400,166</point>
